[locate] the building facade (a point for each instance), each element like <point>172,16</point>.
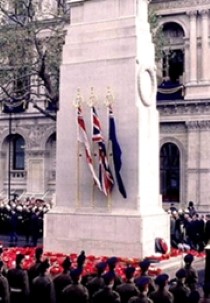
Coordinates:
<point>183,101</point>
<point>28,129</point>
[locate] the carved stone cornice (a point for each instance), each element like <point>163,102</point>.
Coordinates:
<point>180,4</point>
<point>202,125</point>
<point>183,107</point>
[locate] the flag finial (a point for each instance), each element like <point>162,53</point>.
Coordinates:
<point>93,98</point>
<point>109,97</point>
<point>79,99</point>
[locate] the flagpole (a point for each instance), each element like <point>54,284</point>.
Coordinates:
<point>109,100</point>
<point>77,104</point>
<point>91,102</point>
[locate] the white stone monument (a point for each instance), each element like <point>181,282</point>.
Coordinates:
<point>108,44</point>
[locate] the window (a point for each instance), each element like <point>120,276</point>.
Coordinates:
<point>170,172</point>
<point>18,157</point>
<point>173,54</point>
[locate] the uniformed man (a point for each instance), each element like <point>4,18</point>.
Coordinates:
<point>143,286</point>
<point>18,281</point>
<point>63,279</point>
<point>107,294</point>
<point>128,289</point>
<point>112,263</point>
<point>162,295</point>
<point>42,290</point>
<point>180,291</point>
<point>33,271</point>
<point>4,286</point>
<point>144,267</point>
<point>191,279</point>
<point>96,283</point>
<point>81,259</point>
<point>75,292</point>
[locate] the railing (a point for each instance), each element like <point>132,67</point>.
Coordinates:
<point>18,174</point>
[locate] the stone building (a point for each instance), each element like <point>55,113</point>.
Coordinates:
<point>28,132</point>
<point>183,101</point>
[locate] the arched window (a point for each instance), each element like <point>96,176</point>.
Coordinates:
<point>173,55</point>
<point>18,152</point>
<point>170,172</point>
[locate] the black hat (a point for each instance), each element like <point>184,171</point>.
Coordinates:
<point>38,252</point>
<point>129,271</point>
<point>44,266</point>
<point>142,281</point>
<point>101,266</point>
<point>76,273</point>
<point>19,258</point>
<point>66,263</point>
<point>161,279</point>
<point>188,258</point>
<point>108,277</point>
<point>144,265</point>
<point>112,261</point>
<point>181,273</point>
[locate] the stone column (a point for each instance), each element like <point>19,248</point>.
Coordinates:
<point>193,47</point>
<point>103,48</point>
<point>204,44</point>
<point>186,76</point>
<point>35,172</point>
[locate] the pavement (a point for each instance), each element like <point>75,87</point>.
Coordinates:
<point>5,239</point>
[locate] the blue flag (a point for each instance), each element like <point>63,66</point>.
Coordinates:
<point>116,151</point>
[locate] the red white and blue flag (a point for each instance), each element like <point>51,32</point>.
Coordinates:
<point>105,174</point>
<point>82,138</point>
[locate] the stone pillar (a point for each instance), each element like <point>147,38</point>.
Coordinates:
<point>103,48</point>
<point>204,44</point>
<point>186,76</point>
<point>35,172</point>
<point>193,46</point>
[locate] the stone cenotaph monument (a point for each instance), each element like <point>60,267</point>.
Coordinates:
<point>108,44</point>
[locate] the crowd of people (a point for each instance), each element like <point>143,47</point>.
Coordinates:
<point>188,228</point>
<point>36,284</point>
<point>23,218</point>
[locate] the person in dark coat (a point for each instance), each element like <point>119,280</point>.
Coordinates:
<point>143,286</point>
<point>107,294</point>
<point>191,279</point>
<point>34,227</point>
<point>162,295</point>
<point>207,229</point>
<point>144,267</point>
<point>63,279</point>
<point>206,293</point>
<point>33,271</point>
<point>179,290</point>
<point>4,286</point>
<point>112,263</point>
<point>75,292</point>
<point>96,283</point>
<point>18,282</point>
<point>128,289</point>
<point>42,290</point>
<point>13,228</point>
<point>81,259</point>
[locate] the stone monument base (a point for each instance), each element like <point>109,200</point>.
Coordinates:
<point>120,233</point>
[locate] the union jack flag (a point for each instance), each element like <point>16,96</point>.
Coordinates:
<point>105,175</point>
<point>82,137</point>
